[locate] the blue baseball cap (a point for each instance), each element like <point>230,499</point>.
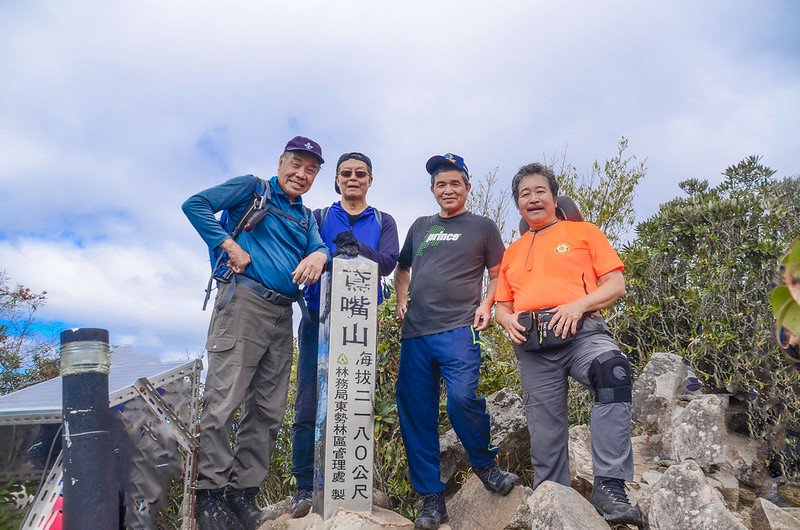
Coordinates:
<point>447,159</point>
<point>301,143</point>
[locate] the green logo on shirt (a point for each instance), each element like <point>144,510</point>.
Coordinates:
<point>434,236</point>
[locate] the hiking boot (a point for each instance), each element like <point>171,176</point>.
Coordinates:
<point>433,512</point>
<point>301,503</point>
<point>243,504</point>
<point>610,500</point>
<point>495,479</point>
<point>212,513</point>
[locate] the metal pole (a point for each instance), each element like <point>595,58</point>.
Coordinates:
<point>90,489</point>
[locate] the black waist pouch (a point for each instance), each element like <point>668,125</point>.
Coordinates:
<point>538,337</point>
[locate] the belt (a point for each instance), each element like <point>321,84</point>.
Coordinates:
<point>261,290</point>
<point>264,292</point>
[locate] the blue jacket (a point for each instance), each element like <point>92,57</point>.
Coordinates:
<point>276,245</point>
<point>378,243</point>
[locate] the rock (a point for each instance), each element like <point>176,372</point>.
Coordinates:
<point>652,477</point>
<point>475,507</point>
<point>684,499</point>
<point>790,491</point>
<point>381,500</point>
<point>344,520</point>
<point>581,472</point>
<point>698,432</point>
<point>746,457</point>
<point>509,433</point>
<point>452,455</point>
<point>273,511</point>
<point>285,522</point>
<point>747,496</point>
<point>794,512</point>
<point>767,516</point>
<point>646,449</point>
<point>556,507</point>
<point>656,389</point>
<point>509,426</point>
<point>726,483</point>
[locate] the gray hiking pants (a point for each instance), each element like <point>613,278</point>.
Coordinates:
<point>544,387</point>
<point>249,360</point>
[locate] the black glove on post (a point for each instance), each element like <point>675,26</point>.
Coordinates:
<point>346,244</point>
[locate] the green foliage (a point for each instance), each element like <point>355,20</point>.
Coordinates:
<point>25,356</point>
<point>786,296</point>
<point>391,464</point>
<point>487,198</point>
<point>697,279</point>
<point>12,504</point>
<point>605,195</point>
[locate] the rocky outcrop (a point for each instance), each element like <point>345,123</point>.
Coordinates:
<point>581,474</point>
<point>343,520</point>
<point>682,498</point>
<point>691,472</point>
<point>698,432</point>
<point>474,507</point>
<point>767,516</point>
<point>724,481</point>
<point>557,507</point>
<point>655,391</point>
<point>509,434</point>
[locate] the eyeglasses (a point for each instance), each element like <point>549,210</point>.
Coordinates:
<point>360,173</point>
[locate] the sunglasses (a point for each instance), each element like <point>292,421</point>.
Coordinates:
<point>360,173</point>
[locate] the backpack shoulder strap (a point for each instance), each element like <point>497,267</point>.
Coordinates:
<point>378,217</point>
<point>323,214</point>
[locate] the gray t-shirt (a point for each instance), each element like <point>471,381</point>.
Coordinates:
<point>447,257</point>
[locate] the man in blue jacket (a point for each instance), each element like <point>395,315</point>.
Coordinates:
<point>250,336</point>
<point>350,221</point>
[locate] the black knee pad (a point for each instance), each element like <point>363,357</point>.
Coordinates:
<point>610,375</point>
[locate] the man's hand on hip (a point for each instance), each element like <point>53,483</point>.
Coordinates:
<point>238,258</point>
<point>565,318</point>
<point>515,330</point>
<point>309,270</point>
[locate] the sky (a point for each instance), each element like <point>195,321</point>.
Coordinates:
<point>113,113</point>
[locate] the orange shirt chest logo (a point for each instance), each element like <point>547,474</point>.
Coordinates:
<point>562,248</point>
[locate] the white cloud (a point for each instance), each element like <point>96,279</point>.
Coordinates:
<point>112,114</point>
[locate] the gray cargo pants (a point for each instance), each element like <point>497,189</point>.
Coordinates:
<point>544,386</point>
<point>249,360</point>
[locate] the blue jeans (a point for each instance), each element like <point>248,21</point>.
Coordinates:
<point>305,405</point>
<point>454,356</point>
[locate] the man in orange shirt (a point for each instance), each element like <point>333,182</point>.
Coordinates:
<point>551,281</point>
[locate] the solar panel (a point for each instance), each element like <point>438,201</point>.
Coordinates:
<point>41,403</point>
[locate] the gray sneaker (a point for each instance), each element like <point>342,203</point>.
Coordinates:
<point>495,479</point>
<point>301,503</point>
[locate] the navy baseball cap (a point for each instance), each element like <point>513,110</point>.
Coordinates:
<point>447,159</point>
<point>361,157</point>
<point>301,143</point>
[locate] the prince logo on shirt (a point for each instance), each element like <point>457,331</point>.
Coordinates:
<point>434,236</point>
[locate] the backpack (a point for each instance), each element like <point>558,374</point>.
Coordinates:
<point>256,213</point>
<point>323,214</point>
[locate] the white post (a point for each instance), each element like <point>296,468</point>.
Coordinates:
<point>346,390</point>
